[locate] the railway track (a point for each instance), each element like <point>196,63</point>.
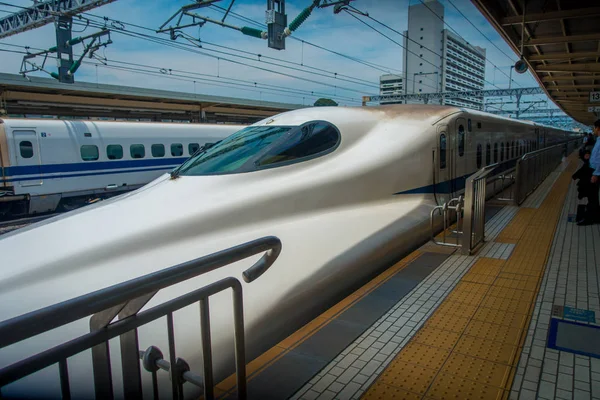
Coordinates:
<point>14,224</point>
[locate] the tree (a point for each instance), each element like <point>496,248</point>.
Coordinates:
<point>322,102</point>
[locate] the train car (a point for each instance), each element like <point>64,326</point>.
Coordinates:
<point>47,165</point>
<point>347,190</point>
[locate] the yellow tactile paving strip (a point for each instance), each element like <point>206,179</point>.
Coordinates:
<point>292,341</point>
<point>470,347</point>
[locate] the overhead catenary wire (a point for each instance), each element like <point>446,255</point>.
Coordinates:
<point>201,78</point>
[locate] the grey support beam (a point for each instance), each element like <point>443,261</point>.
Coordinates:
<point>563,56</point>
<point>43,13</point>
<point>426,97</point>
<point>581,68</point>
<point>551,16</point>
<point>544,40</point>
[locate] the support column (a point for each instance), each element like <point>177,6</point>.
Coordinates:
<point>64,52</point>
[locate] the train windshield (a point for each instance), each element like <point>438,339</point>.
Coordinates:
<point>259,147</point>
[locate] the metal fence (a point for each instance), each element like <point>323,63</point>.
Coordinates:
<point>125,300</point>
<point>513,185</point>
<point>474,219</point>
<point>534,167</point>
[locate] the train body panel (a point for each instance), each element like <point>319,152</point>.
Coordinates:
<point>52,160</point>
<point>343,213</point>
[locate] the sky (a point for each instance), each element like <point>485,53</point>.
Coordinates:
<point>228,59</point>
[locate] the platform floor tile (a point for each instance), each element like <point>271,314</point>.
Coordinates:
<point>379,345</point>
<point>571,279</point>
<point>493,304</point>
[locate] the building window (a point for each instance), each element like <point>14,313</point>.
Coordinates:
<point>495,153</point>
<point>137,151</point>
<point>114,151</point>
<point>488,151</point>
<point>158,150</point>
<point>442,151</point>
<point>193,147</point>
<point>478,156</point>
<point>461,141</point>
<point>176,149</point>
<point>89,152</point>
<point>26,148</point>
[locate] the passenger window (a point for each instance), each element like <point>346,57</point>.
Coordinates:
<point>501,151</point>
<point>507,150</point>
<point>442,151</point>
<point>114,151</point>
<point>158,150</point>
<point>469,124</point>
<point>311,139</point>
<point>461,140</point>
<point>176,149</point>
<point>26,148</point>
<point>478,156</point>
<point>488,153</point>
<point>193,148</point>
<point>495,153</point>
<point>512,149</point>
<point>137,151</point>
<point>89,152</point>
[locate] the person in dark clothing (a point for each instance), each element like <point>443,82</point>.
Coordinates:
<point>584,184</point>
<point>592,214</point>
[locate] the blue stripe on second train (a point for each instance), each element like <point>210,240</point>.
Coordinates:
<point>114,171</point>
<point>90,166</point>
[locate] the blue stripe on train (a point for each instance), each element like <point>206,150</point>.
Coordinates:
<point>90,166</point>
<point>454,185</point>
<point>114,171</point>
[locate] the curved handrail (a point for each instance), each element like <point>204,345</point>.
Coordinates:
<point>35,322</point>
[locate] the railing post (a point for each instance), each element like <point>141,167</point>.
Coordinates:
<point>240,341</point>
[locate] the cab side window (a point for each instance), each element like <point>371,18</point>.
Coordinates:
<point>26,149</point>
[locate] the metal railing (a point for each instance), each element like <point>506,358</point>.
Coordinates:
<point>535,166</point>
<point>474,220</point>
<point>125,300</point>
<point>445,211</point>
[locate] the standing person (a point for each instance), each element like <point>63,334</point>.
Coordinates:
<point>593,208</point>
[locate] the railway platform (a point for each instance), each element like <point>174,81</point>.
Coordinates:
<point>516,320</point>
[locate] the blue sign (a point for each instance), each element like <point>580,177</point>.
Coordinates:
<point>578,314</point>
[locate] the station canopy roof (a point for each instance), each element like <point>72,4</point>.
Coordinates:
<point>561,47</point>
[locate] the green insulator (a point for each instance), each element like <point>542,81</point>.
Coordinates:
<point>300,19</point>
<point>55,75</point>
<point>75,67</point>
<point>53,49</point>
<point>73,41</point>
<point>257,33</point>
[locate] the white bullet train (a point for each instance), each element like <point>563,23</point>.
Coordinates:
<point>347,190</point>
<point>48,164</point>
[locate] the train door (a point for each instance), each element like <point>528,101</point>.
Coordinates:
<point>459,165</point>
<point>27,154</point>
